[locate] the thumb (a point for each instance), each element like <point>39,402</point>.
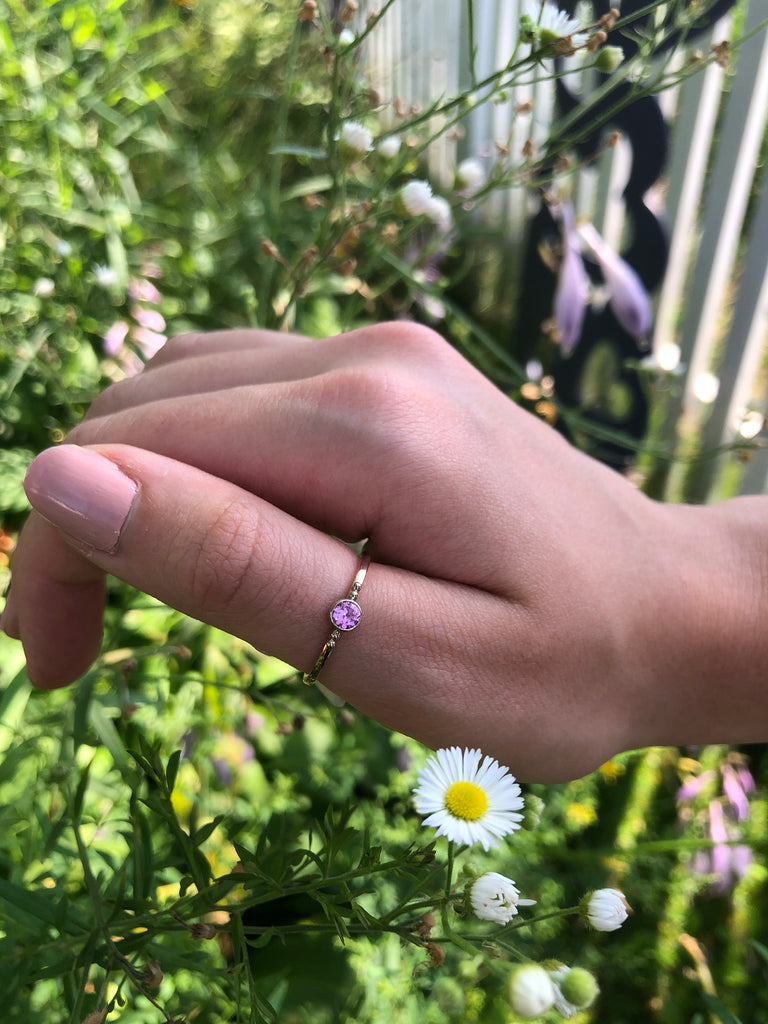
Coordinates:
<point>198,543</point>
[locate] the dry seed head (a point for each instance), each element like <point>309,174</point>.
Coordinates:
<point>350,10</point>
<point>308,11</point>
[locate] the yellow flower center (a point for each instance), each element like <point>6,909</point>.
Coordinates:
<point>466,800</point>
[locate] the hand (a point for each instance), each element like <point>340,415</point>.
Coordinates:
<point>522,598</point>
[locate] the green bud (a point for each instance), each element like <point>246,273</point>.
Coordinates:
<point>608,58</point>
<point>529,30</point>
<point>534,807</point>
<point>579,987</point>
<point>449,996</point>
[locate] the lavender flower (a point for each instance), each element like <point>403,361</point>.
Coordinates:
<point>627,295</point>
<point>572,293</point>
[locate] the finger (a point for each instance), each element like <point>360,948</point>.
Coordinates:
<point>198,370</point>
<point>227,557</point>
<point>55,607</point>
<point>191,344</point>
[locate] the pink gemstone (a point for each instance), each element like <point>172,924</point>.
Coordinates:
<point>346,614</point>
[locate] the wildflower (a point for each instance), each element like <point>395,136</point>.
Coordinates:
<point>628,297</point>
<point>354,140</point>
<point>63,248</point>
<point>346,38</point>
<point>105,276</point>
<point>496,898</point>
<point>470,176</point>
<point>572,292</point>
<point>115,336</point>
<point>43,287</point>
<point>609,58</point>
<point>545,24</point>
<point>531,991</point>
<point>466,800</point>
<point>414,199</point>
<point>439,212</point>
<point>389,147</point>
<point>605,910</point>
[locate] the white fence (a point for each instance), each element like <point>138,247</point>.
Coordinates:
<point>713,303</point>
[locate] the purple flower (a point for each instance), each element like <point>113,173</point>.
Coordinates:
<point>115,336</point>
<point>627,294</point>
<point>694,785</point>
<point>572,292</point>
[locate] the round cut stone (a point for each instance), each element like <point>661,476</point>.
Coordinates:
<point>346,614</point>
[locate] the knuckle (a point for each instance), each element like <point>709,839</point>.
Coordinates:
<point>405,340</point>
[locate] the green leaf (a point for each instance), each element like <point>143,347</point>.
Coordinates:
<point>723,1015</point>
<point>172,769</point>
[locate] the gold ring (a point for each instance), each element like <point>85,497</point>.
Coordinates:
<point>345,616</point>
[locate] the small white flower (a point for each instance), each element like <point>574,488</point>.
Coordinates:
<point>105,276</point>
<point>466,800</point>
<point>551,22</point>
<point>354,140</point>
<point>751,424</point>
<point>706,387</point>
<point>415,198</point>
<point>346,37</point>
<point>531,991</point>
<point>495,897</point>
<point>470,176</point>
<point>63,248</point>
<point>389,147</point>
<point>439,212</point>
<point>606,909</point>
<point>43,287</point>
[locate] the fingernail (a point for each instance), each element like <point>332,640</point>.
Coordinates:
<point>81,493</point>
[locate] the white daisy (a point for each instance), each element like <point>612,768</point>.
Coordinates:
<point>495,897</point>
<point>551,23</point>
<point>605,910</point>
<point>468,801</point>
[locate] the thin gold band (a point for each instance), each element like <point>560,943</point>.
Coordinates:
<point>345,616</point>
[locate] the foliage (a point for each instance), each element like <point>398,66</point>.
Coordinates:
<point>189,834</point>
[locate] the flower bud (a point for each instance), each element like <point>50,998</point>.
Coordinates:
<point>605,910</point>
<point>389,147</point>
<point>608,58</point>
<point>579,987</point>
<point>470,176</point>
<point>493,897</point>
<point>531,991</point>
<point>354,140</point>
<point>414,199</point>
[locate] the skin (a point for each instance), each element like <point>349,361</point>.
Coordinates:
<point>522,597</point>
